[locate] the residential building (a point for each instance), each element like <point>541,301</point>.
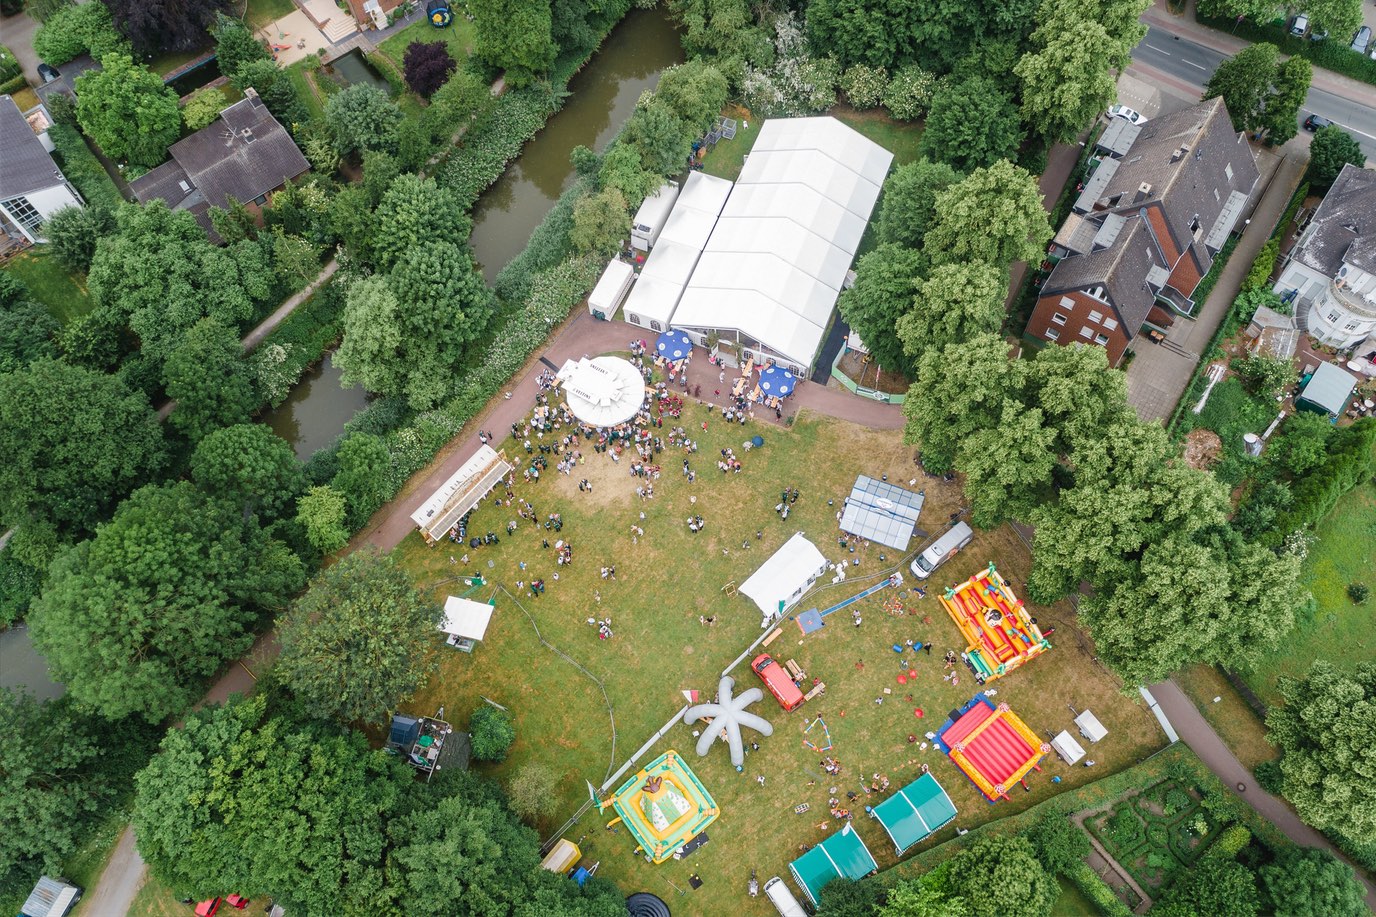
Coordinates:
<point>32,187</point>
<point>244,155</point>
<point>1159,205</point>
<point>1330,273</point>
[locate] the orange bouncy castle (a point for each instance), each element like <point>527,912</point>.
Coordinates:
<point>1000,634</point>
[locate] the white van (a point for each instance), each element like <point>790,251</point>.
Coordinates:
<point>942,550</point>
<point>782,898</point>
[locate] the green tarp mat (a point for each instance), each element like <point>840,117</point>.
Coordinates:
<point>914,812</point>
<point>842,854</point>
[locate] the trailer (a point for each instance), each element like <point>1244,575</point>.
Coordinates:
<point>653,214</point>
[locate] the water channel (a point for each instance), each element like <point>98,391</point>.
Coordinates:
<point>603,96</point>
<point>22,667</point>
<point>316,410</point>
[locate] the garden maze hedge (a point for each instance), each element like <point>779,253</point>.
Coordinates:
<point>1152,834</point>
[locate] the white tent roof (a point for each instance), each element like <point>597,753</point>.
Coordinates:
<point>604,294</point>
<point>815,170</point>
<point>603,391</point>
<point>652,299</point>
<point>460,493</point>
<point>1066,746</point>
<point>1090,727</point>
<point>829,136</point>
<point>792,242</point>
<point>755,316</point>
<point>466,618</point>
<point>671,261</point>
<point>785,575</point>
<point>770,276</point>
<point>688,227</point>
<point>704,192</point>
<point>653,208</point>
<point>801,204</point>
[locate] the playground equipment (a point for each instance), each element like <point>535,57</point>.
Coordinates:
<point>1000,633</point>
<point>992,746</point>
<point>727,716</point>
<point>811,619</point>
<point>438,13</point>
<point>663,805</point>
<point>823,742</point>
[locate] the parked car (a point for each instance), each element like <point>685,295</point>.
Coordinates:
<point>1362,40</point>
<point>1316,122</point>
<point>48,72</point>
<point>1127,114</point>
<point>1300,25</point>
<point>777,681</point>
<point>1320,35</point>
<point>207,908</point>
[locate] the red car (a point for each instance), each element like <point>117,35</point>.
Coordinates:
<point>207,908</point>
<point>238,902</point>
<point>777,681</point>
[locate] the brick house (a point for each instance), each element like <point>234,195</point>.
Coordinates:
<point>1160,203</point>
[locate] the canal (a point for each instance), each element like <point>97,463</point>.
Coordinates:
<point>603,96</point>
<point>316,410</point>
<point>22,667</point>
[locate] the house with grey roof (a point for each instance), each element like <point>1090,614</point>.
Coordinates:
<point>1161,202</point>
<point>244,155</point>
<point>1330,273</point>
<point>32,187</point>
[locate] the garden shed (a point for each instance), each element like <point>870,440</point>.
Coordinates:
<point>781,581</point>
<point>1327,391</point>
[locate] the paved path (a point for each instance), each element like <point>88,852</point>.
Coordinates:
<point>121,880</point>
<point>1196,732</point>
<point>1060,162</point>
<point>16,33</point>
<point>1159,373</point>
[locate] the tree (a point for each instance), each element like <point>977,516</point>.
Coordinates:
<point>321,511</point>
<point>26,335</point>
<point>515,37</point>
<point>1244,82</point>
<point>1217,886</point>
<point>1331,149</point>
<point>953,304</point>
<point>928,895</point>
<point>166,25</point>
<point>427,66</point>
<point>909,94</point>
<point>1283,107</point>
<point>532,791</point>
<point>492,733</point>
<point>73,233</point>
<point>972,123</point>
<point>203,108</point>
<point>994,215</point>
<point>76,30</point>
<point>46,800</point>
<point>656,133</point>
<point>1001,877</point>
<point>864,86</point>
<point>876,33</point>
<point>360,641</point>
<point>621,169</point>
<point>248,466</point>
<point>205,375</point>
<point>696,92</point>
<point>236,45</point>
<point>370,352</point>
<point>886,280</point>
<point>46,473</point>
<point>1059,842</point>
<point>364,468</point>
<point>1079,395</point>
<point>1264,375</point>
<point>908,206</point>
<point>415,212</point>
<point>1324,732</point>
<point>1007,468</point>
<point>234,799</point>
<point>1065,78</point>
<point>794,82</point>
<point>958,391</point>
<point>128,111</point>
<point>361,118</point>
<point>599,223</point>
<point>1309,882</point>
<point>1302,444</point>
<point>842,897</point>
<point>167,590</point>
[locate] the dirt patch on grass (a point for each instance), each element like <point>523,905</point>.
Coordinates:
<point>1202,449</point>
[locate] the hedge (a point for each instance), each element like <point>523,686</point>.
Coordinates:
<point>1331,54</point>
<point>9,64</point>
<point>13,85</point>
<point>83,169</point>
<point>1097,891</point>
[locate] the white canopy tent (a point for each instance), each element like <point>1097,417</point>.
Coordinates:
<point>781,581</point>
<point>1090,727</point>
<point>456,496</point>
<point>465,621</point>
<point>1065,745</point>
<point>603,391</point>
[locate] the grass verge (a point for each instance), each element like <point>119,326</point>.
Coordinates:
<point>51,284</point>
<point>1231,717</point>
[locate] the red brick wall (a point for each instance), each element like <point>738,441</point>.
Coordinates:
<point>1077,318</point>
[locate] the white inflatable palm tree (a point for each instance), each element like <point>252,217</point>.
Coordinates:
<point>728,715</point>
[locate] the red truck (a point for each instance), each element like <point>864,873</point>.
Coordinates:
<point>777,681</point>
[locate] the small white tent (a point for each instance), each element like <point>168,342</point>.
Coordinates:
<point>1066,746</point>
<point>1090,727</point>
<point>781,581</point>
<point>465,621</point>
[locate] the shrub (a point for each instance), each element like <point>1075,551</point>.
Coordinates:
<point>1260,273</point>
<point>864,86</point>
<point>73,232</point>
<point>493,140</point>
<point>19,586</point>
<point>1268,776</point>
<point>1175,801</point>
<point>1358,592</point>
<point>428,66</point>
<point>77,30</point>
<point>492,733</point>
<point>1231,841</point>
<point>909,94</point>
<point>82,168</point>
<point>1097,891</point>
<point>531,791</point>
<point>203,108</point>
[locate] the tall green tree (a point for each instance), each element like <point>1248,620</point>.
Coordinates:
<point>1331,149</point>
<point>413,212</point>
<point>878,33</point>
<point>695,91</point>
<point>1309,882</point>
<point>908,206</point>
<point>958,391</point>
<point>599,223</point>
<point>205,374</point>
<point>49,475</point>
<point>1324,731</point>
<point>955,302</point>
<point>657,133</point>
<point>1007,468</point>
<point>234,799</point>
<point>128,111</point>
<point>361,118</point>
<point>999,876</point>
<point>365,466</point>
<point>73,233</point>
<point>994,215</point>
<point>249,467</point>
<point>515,37</point>
<point>1244,81</point>
<point>972,123</point>
<point>1217,886</point>
<point>322,511</point>
<point>27,330</point>
<point>369,355</point>
<point>1079,395</point>
<point>360,641</point>
<point>1283,107</point>
<point>166,591</point>
<point>886,280</point>
<point>1065,77</point>
<point>235,45</point>
<point>1060,843</point>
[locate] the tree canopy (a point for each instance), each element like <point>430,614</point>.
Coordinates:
<point>908,206</point>
<point>155,26</point>
<point>958,391</point>
<point>1261,92</point>
<point>955,302</point>
<point>360,640</point>
<point>206,376</point>
<point>886,280</point>
<point>249,466</point>
<point>1331,149</point>
<point>515,37</point>
<point>427,66</point>
<point>1001,877</point>
<point>127,111</point>
<point>158,599</point>
<point>972,123</point>
<point>994,215</point>
<point>1308,882</point>
<point>360,117</point>
<point>1066,79</point>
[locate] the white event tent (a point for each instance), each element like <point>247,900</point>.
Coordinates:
<point>781,581</point>
<point>456,496</point>
<point>603,391</point>
<point>465,621</point>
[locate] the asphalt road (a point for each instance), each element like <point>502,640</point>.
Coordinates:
<point>1192,63</point>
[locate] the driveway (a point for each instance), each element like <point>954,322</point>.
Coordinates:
<point>16,33</point>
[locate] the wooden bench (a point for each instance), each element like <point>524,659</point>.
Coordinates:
<point>795,671</point>
<point>818,688</point>
<point>773,636</point>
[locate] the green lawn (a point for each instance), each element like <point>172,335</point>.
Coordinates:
<point>51,284</point>
<point>313,100</point>
<point>727,157</point>
<point>898,137</point>
<point>1341,631</point>
<point>1235,722</point>
<point>459,37</point>
<point>1072,902</point>
<point>668,579</point>
<point>262,12</point>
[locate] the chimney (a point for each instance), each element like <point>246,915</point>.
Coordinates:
<point>1179,154</point>
<point>1143,192</point>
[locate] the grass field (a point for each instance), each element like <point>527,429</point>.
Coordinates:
<point>668,579</point>
<point>261,12</point>
<point>51,284</point>
<point>459,37</point>
<point>898,137</point>
<point>1341,631</point>
<point>1235,722</point>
